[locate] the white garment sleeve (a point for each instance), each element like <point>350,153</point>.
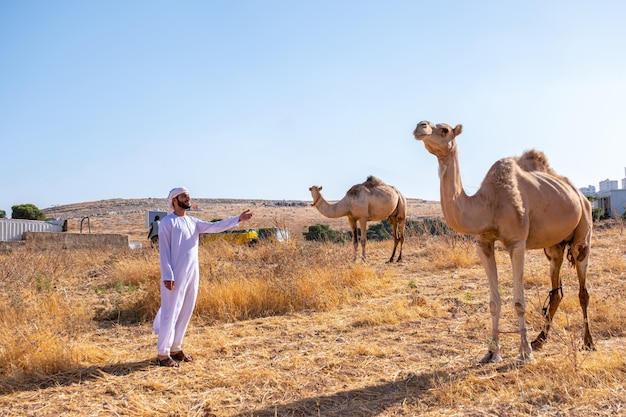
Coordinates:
<point>217,227</point>
<point>165,251</point>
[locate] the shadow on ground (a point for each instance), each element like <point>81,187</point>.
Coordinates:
<point>36,382</point>
<point>363,402</point>
<point>373,400</point>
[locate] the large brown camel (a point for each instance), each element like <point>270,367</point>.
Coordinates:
<point>524,204</point>
<point>372,200</point>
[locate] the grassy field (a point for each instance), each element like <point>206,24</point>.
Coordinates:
<point>297,329</point>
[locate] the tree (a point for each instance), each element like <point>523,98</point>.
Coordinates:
<point>3,214</point>
<point>28,212</point>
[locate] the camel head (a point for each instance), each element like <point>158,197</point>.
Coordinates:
<point>438,138</point>
<point>315,193</point>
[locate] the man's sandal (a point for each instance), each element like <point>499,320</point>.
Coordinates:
<point>168,362</point>
<point>181,356</point>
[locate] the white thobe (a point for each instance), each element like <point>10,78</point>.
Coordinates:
<point>178,249</point>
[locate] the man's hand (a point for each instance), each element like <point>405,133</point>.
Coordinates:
<point>169,284</point>
<point>246,215</point>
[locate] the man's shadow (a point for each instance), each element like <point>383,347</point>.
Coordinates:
<point>31,382</point>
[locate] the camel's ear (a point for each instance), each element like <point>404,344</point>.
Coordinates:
<point>320,188</point>
<point>457,130</point>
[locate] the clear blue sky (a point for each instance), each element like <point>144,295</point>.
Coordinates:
<point>262,99</point>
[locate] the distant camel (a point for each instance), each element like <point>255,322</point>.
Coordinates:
<point>524,204</point>
<point>371,201</point>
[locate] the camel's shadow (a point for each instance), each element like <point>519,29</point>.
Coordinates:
<point>36,382</point>
<point>372,400</point>
<point>362,402</point>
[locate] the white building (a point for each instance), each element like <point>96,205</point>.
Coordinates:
<point>612,202</point>
<point>608,185</point>
<point>590,190</point>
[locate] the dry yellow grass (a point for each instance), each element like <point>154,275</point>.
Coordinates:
<point>297,329</point>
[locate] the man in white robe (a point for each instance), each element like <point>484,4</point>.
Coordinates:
<point>180,275</point>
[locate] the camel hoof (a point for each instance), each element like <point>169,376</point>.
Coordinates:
<point>539,341</point>
<point>491,357</point>
<point>525,359</point>
<point>537,344</point>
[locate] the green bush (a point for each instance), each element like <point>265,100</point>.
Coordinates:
<point>429,226</point>
<point>27,212</point>
<point>323,233</point>
<point>597,213</point>
<point>379,231</point>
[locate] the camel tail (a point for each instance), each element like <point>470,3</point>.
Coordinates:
<point>401,206</point>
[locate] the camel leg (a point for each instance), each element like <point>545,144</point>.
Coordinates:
<point>517,253</point>
<point>487,257</point>
<point>363,227</point>
<point>580,254</point>
<point>355,237</point>
<point>400,234</point>
<point>397,226</point>
<point>394,228</point>
<point>555,256</point>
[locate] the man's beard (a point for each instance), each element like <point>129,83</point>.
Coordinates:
<point>182,205</point>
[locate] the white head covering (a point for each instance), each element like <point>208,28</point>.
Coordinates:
<point>175,192</point>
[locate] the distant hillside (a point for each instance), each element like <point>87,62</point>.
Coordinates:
<point>135,205</point>
<point>128,216</point>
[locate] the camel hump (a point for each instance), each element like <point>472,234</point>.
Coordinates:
<point>372,182</point>
<point>534,160</point>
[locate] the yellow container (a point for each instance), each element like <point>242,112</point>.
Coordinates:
<point>241,237</point>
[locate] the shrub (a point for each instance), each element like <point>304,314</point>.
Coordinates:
<point>597,213</point>
<point>428,226</point>
<point>28,212</point>
<point>380,231</point>
<point>323,233</point>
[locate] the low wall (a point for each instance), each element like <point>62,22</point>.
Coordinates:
<point>51,240</point>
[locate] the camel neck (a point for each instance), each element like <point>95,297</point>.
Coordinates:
<point>455,203</point>
<point>319,197</point>
<point>451,185</point>
<point>329,210</point>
